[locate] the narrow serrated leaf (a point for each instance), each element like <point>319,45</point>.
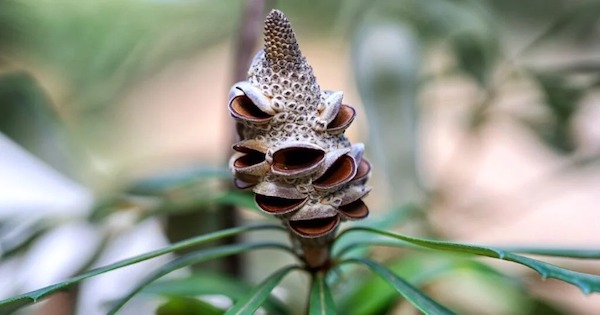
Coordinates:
<point>580,253</point>
<point>321,301</point>
<point>255,298</point>
<point>415,296</point>
<point>587,283</point>
<point>11,304</point>
<point>191,259</point>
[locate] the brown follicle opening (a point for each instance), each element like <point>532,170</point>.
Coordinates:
<point>363,170</point>
<point>355,210</point>
<point>294,160</point>
<point>242,107</point>
<point>315,227</point>
<point>340,172</point>
<point>343,119</point>
<point>250,158</point>
<point>278,205</point>
<point>249,146</point>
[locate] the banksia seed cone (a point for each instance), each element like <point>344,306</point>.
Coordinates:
<point>293,153</point>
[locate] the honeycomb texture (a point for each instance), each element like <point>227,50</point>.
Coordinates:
<point>292,151</point>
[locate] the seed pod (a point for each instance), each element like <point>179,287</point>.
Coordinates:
<point>293,152</point>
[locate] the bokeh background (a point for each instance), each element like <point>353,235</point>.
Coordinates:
<point>481,118</point>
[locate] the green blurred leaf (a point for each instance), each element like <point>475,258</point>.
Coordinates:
<point>386,57</point>
<point>542,307</point>
<point>159,184</point>
<point>10,26</point>
<point>191,202</point>
<point>11,304</point>
<point>190,189</point>
<point>256,297</point>
<point>476,54</point>
<point>211,283</point>
<point>321,301</point>
<point>562,101</point>
<point>418,269</point>
<point>475,39</point>
<point>573,22</point>
<point>360,301</point>
<point>180,198</point>
<point>29,119</point>
<point>96,52</point>
<point>560,98</point>
<point>16,235</point>
<point>192,259</point>
<point>415,296</point>
<point>187,306</point>
<point>587,283</point>
<point>101,47</point>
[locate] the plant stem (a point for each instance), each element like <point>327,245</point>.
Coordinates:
<point>317,257</point>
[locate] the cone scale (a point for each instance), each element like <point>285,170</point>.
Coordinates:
<point>292,152</point>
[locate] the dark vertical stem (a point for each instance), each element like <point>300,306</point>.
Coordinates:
<point>248,33</point>
<point>203,219</point>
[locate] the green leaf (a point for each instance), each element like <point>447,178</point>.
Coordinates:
<point>255,298</point>
<point>211,283</point>
<point>580,253</point>
<point>587,283</point>
<point>415,296</point>
<point>191,259</point>
<point>11,304</point>
<point>419,269</point>
<point>321,302</point>
<point>361,302</point>
<point>187,306</point>
<point>390,219</point>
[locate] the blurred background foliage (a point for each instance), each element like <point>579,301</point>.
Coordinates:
<point>72,72</point>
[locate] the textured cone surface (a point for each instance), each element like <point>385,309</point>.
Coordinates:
<point>311,176</point>
<point>280,40</point>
